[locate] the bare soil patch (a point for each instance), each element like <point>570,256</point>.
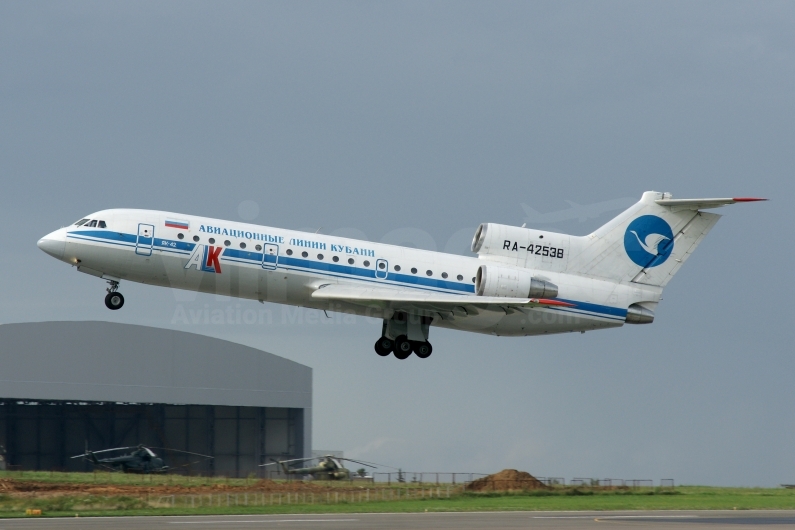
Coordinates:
<point>507,480</point>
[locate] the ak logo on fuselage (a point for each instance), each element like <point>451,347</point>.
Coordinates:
<point>205,258</point>
<point>649,241</point>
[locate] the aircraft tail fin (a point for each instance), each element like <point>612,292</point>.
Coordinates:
<point>648,242</point>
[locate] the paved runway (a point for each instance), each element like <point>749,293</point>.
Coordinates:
<point>680,520</point>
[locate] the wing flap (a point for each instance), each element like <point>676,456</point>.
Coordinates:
<point>402,298</point>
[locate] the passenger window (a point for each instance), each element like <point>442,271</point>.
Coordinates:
<point>460,278</point>
<point>258,247</point>
<point>366,263</point>
<point>320,257</point>
<point>103,225</point>
<point>429,273</point>
<point>473,279</point>
<point>196,238</point>
<point>305,254</point>
<point>227,243</point>
<point>350,260</point>
<point>381,266</point>
<point>335,259</point>
<point>413,270</point>
<point>179,236</point>
<point>397,268</point>
<point>211,240</point>
<point>444,275</point>
<point>242,245</point>
<point>289,252</point>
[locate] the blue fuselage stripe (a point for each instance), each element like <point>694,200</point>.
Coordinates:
<point>329,269</point>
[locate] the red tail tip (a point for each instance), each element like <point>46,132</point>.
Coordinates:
<point>747,199</point>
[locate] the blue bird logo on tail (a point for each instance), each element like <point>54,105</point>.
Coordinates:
<point>649,241</point>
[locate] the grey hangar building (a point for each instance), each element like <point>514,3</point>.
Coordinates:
<point>65,386</point>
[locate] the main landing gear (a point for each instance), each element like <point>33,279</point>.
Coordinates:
<point>401,326</point>
<point>114,299</point>
<point>402,347</point>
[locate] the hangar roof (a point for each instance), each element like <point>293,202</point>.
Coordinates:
<point>103,361</point>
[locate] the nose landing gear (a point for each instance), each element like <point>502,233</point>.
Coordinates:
<point>113,300</point>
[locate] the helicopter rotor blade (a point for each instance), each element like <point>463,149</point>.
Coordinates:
<point>170,468</point>
<point>295,460</point>
<point>370,464</point>
<point>167,450</point>
<point>87,453</point>
<point>274,461</point>
<point>356,462</point>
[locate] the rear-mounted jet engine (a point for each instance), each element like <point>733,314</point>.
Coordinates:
<point>495,280</point>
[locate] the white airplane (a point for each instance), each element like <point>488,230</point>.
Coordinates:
<point>522,282</point>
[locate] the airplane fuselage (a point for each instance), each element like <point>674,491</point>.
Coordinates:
<point>286,267</point>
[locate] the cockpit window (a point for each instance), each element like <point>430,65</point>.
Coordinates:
<point>102,224</point>
<point>92,223</point>
<point>80,222</point>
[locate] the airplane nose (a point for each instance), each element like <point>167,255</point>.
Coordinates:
<point>53,244</point>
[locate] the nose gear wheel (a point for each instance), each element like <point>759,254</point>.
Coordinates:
<point>114,300</point>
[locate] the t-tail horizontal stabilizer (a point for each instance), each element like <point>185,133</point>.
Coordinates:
<point>648,242</point>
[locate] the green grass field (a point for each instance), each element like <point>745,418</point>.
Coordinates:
<point>556,499</point>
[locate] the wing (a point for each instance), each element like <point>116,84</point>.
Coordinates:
<point>410,299</point>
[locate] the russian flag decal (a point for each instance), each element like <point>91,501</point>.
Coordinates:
<point>182,225</point>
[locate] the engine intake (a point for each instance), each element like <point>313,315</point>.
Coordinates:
<point>493,280</point>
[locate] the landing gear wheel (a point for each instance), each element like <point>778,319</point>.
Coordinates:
<point>114,301</point>
<point>402,347</point>
<point>423,350</point>
<point>384,346</point>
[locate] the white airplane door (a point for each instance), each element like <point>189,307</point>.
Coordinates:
<point>146,237</point>
<point>270,256</point>
<point>381,269</point>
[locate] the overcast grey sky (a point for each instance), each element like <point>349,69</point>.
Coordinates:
<point>412,122</point>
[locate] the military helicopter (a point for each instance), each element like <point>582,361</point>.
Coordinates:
<point>141,460</point>
<point>328,467</point>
